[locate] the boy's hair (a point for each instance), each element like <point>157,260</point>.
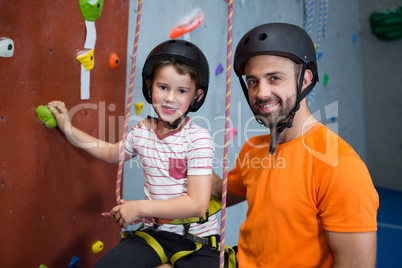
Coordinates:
<point>181,68</point>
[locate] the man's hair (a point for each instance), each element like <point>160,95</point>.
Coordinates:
<point>297,71</point>
<point>180,67</point>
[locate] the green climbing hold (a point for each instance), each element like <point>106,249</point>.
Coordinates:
<point>387,24</point>
<point>91,9</point>
<point>46,116</point>
<point>325,80</point>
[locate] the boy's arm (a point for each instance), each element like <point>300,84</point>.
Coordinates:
<point>194,204</point>
<point>100,149</point>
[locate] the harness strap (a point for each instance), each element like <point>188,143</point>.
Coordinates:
<point>210,242</point>
<point>231,256</point>
<point>199,242</point>
<point>183,253</point>
<point>213,208</point>
<point>154,244</point>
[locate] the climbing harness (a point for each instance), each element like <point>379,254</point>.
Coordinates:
<point>213,208</point>
<point>211,242</point>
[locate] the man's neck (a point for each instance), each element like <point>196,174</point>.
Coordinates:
<point>302,122</point>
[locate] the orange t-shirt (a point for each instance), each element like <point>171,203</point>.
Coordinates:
<point>313,183</point>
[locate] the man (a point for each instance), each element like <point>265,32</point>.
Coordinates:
<point>311,201</point>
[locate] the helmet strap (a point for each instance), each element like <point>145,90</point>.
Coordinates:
<point>178,121</point>
<point>175,124</point>
<point>289,122</point>
<point>245,91</point>
<point>302,95</point>
<point>274,138</point>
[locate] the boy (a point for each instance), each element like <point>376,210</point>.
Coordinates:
<point>177,160</point>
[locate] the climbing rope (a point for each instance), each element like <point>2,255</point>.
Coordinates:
<point>128,107</point>
<point>309,11</point>
<point>308,27</point>
<point>321,29</point>
<point>319,26</point>
<point>227,135</point>
<point>325,18</point>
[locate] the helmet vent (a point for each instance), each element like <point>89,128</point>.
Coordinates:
<point>262,36</point>
<point>172,41</point>
<point>245,40</point>
<point>188,44</point>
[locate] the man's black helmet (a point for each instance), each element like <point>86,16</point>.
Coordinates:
<point>183,51</point>
<point>279,39</point>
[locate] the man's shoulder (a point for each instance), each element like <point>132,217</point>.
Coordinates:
<point>256,143</point>
<point>327,146</point>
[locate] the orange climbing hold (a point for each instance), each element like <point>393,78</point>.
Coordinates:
<point>114,61</point>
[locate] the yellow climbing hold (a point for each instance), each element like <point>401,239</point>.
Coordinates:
<point>97,246</point>
<point>87,59</point>
<point>138,107</point>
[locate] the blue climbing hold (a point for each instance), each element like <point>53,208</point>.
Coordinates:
<point>75,261</point>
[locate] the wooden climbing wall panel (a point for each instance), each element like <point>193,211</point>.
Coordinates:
<point>52,193</point>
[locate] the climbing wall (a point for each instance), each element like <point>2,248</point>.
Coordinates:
<point>52,193</point>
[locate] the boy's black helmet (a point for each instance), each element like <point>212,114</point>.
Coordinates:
<point>183,51</point>
<point>279,39</point>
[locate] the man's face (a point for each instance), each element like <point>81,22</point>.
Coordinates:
<point>271,87</point>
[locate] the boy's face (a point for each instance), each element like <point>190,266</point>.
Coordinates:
<point>172,93</point>
<point>271,87</point>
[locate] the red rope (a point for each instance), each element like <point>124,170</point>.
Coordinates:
<point>128,107</point>
<point>227,130</point>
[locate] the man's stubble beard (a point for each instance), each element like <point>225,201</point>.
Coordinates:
<point>272,119</point>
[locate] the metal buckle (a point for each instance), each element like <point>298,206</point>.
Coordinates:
<point>204,218</point>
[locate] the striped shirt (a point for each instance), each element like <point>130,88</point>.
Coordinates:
<point>166,163</point>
